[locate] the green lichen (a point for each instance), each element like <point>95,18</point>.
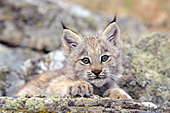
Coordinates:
<point>80,104</point>
<point>10,104</point>
<point>147,69</point>
<point>30,104</point>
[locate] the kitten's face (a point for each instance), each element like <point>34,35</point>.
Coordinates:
<point>94,59</point>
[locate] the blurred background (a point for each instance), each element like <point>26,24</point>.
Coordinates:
<point>30,44</point>
<point>155,14</point>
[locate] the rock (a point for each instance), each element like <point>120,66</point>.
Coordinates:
<point>14,57</point>
<point>131,30</point>
<point>29,27</point>
<point>37,24</point>
<point>14,81</point>
<point>2,86</point>
<point>95,103</point>
<point>10,81</point>
<point>11,35</point>
<point>50,62</point>
<point>147,69</point>
<point>11,78</point>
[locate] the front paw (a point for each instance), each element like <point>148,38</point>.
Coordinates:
<point>81,88</point>
<point>116,93</point>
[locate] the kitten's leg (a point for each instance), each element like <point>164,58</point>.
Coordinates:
<point>64,86</point>
<point>116,93</point>
<point>30,88</point>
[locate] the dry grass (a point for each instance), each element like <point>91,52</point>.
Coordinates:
<point>154,13</point>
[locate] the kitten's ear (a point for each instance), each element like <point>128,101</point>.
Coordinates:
<point>70,39</point>
<point>112,33</point>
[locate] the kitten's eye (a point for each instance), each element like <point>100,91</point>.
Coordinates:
<point>85,60</point>
<point>104,58</point>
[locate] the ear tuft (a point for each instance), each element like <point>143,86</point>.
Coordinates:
<point>112,33</point>
<point>114,20</point>
<point>64,27</point>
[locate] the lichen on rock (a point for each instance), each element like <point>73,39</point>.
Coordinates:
<point>147,69</point>
<point>69,104</point>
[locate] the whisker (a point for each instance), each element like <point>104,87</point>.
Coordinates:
<point>113,77</point>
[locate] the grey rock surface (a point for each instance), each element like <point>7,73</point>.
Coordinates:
<point>49,62</point>
<point>14,57</point>
<point>10,73</point>
<point>13,82</point>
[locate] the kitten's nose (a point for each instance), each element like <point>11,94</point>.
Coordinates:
<point>97,72</point>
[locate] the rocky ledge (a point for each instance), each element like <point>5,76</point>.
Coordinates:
<point>41,103</point>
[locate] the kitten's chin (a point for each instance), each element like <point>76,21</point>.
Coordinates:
<point>98,82</point>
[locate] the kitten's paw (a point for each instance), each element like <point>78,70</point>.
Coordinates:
<point>81,88</point>
<point>116,93</point>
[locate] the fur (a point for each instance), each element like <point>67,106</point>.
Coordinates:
<point>85,73</point>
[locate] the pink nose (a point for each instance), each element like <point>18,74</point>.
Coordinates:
<point>96,72</point>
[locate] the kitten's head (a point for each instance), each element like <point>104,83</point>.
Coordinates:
<point>96,59</point>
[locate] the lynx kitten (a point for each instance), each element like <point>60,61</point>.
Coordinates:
<point>93,67</point>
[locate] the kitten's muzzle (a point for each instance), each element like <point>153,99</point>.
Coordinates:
<point>96,72</point>
<point>96,75</point>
